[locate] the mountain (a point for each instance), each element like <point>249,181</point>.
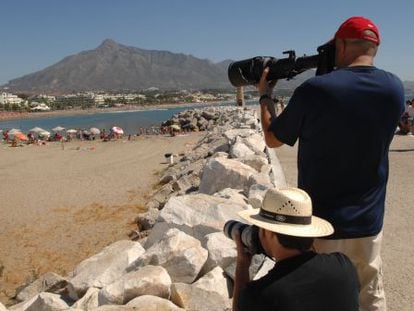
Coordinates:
<point>113,66</point>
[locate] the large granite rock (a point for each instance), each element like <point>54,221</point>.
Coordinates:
<point>215,281</point>
<point>42,302</point>
<point>221,173</point>
<point>234,195</point>
<point>192,298</point>
<point>211,292</point>
<point>148,280</point>
<point>240,150</point>
<point>257,162</point>
<point>152,303</point>
<point>89,301</point>
<point>195,214</point>
<point>233,133</point>
<point>256,195</point>
<point>255,142</point>
<point>221,251</point>
<point>48,282</point>
<point>2,307</point>
<point>104,267</point>
<point>180,254</point>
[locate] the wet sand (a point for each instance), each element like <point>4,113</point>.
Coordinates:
<point>59,206</point>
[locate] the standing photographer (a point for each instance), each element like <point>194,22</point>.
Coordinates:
<point>345,121</point>
<point>301,279</point>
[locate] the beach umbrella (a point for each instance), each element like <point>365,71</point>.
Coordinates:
<point>36,130</point>
<point>86,132</point>
<point>58,129</point>
<point>71,131</point>
<point>95,131</point>
<point>21,136</point>
<point>117,130</point>
<point>44,134</point>
<point>14,131</point>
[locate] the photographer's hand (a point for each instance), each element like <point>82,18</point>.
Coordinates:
<point>242,269</point>
<point>267,108</point>
<point>266,87</point>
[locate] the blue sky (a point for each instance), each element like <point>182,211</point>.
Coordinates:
<point>37,33</point>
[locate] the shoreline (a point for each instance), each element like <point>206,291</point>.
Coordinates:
<point>11,116</point>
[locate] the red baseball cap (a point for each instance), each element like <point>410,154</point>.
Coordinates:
<point>354,28</point>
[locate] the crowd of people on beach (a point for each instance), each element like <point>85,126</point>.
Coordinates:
<point>37,136</point>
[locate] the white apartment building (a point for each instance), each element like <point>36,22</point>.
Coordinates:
<point>99,99</point>
<point>8,98</point>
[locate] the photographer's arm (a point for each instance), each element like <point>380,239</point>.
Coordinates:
<point>266,88</point>
<point>242,271</point>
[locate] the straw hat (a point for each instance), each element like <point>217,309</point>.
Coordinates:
<point>288,211</point>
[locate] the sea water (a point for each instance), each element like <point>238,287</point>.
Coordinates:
<point>129,121</point>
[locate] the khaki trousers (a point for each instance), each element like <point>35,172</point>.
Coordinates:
<point>365,255</point>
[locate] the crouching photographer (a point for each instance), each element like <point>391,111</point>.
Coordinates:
<point>284,228</point>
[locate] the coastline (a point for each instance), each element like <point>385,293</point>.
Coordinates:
<point>8,116</point>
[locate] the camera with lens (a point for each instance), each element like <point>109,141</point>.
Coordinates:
<point>249,71</point>
<point>249,235</point>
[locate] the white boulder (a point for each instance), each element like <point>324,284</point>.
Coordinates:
<point>211,292</point>
<point>256,195</point>
<point>180,254</point>
<point>240,150</point>
<point>89,301</point>
<point>45,283</point>
<point>222,173</point>
<point>152,303</point>
<point>42,302</point>
<point>221,251</point>
<point>233,133</point>
<point>195,214</point>
<point>235,195</point>
<point>104,267</point>
<point>148,280</point>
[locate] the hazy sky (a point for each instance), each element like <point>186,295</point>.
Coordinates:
<point>35,34</point>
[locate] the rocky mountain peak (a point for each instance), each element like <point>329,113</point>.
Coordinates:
<point>108,44</point>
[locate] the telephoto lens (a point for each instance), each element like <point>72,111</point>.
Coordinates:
<point>249,235</point>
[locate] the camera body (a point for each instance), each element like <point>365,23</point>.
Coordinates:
<point>249,71</point>
<point>249,235</point>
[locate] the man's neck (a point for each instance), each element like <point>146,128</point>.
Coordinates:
<point>363,60</point>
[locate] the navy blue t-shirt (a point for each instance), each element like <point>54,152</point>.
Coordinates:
<point>345,121</point>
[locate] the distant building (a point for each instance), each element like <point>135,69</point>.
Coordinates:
<point>8,98</point>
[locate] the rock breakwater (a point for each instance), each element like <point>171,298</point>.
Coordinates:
<point>178,258</point>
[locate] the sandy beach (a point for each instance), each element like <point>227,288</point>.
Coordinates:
<point>61,206</point>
